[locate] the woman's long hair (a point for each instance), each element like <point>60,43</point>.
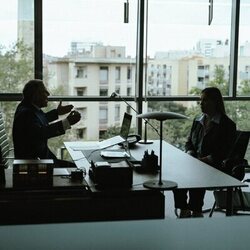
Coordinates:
<point>215,95</point>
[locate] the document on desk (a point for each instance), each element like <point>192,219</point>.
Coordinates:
<point>114,154</point>
<point>88,147</point>
<point>60,171</point>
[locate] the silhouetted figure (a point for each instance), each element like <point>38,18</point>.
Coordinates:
<point>32,127</point>
<point>210,140</point>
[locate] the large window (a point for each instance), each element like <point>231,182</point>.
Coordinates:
<point>16,44</point>
<point>85,54</point>
<point>184,52</point>
<point>83,33</point>
<point>243,79</point>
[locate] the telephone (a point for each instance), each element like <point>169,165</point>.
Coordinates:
<point>133,139</point>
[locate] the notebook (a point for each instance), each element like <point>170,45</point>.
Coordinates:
<point>126,123</point>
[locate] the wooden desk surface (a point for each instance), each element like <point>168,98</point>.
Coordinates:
<point>201,233</point>
<point>178,166</point>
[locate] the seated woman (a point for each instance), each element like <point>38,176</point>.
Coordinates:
<point>210,140</point>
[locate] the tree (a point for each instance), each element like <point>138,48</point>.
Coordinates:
<point>174,131</point>
<point>16,67</point>
<point>244,88</point>
<point>219,80</point>
<point>238,111</point>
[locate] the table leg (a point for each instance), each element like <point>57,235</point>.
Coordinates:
<point>229,210</point>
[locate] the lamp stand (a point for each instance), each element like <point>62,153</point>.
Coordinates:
<point>161,184</point>
<point>145,141</point>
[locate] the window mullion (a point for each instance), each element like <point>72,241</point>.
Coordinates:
<point>234,48</point>
<point>38,38</point>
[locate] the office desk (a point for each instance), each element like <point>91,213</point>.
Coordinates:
<point>188,172</point>
<point>189,234</point>
<point>64,201</point>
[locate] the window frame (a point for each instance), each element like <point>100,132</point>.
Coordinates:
<point>139,97</point>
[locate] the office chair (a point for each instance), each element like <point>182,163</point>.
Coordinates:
<point>5,150</point>
<point>235,165</point>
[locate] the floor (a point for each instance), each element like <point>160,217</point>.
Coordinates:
<point>208,202</point>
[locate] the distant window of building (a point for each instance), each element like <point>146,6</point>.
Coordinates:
<point>117,112</point>
<point>128,110</point>
<point>103,92</point>
<point>80,91</point>
<point>129,73</point>
<point>104,76</point>
<point>113,53</point>
<point>81,72</point>
<point>129,91</point>
<point>117,74</point>
<point>117,89</point>
<point>103,114</point>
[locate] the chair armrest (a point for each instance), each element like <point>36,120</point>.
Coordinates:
<point>228,164</point>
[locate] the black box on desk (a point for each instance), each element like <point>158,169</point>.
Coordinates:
<point>33,173</point>
<point>118,174</point>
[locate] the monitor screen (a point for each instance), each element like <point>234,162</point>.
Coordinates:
<point>126,125</point>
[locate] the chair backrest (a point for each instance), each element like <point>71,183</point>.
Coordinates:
<point>240,146</point>
<point>4,144</point>
<point>235,164</point>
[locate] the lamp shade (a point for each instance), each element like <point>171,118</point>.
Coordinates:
<point>162,116</point>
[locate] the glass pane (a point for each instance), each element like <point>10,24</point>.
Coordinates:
<point>177,131</point>
<point>238,111</point>
<point>243,82</point>
<point>16,44</point>
<point>88,51</point>
<point>185,53</point>
<point>8,111</point>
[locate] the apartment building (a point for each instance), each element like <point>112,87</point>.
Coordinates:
<point>91,69</point>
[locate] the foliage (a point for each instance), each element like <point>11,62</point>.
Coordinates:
<point>176,131</point>
<point>219,80</point>
<point>113,131</point>
<point>244,88</point>
<point>16,67</point>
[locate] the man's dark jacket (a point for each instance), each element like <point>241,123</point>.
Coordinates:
<point>31,131</point>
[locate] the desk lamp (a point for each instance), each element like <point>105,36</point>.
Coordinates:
<point>161,116</point>
<point>145,141</point>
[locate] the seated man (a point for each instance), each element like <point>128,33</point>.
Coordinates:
<point>32,127</point>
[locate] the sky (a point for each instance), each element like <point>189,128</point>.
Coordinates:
<point>173,25</point>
